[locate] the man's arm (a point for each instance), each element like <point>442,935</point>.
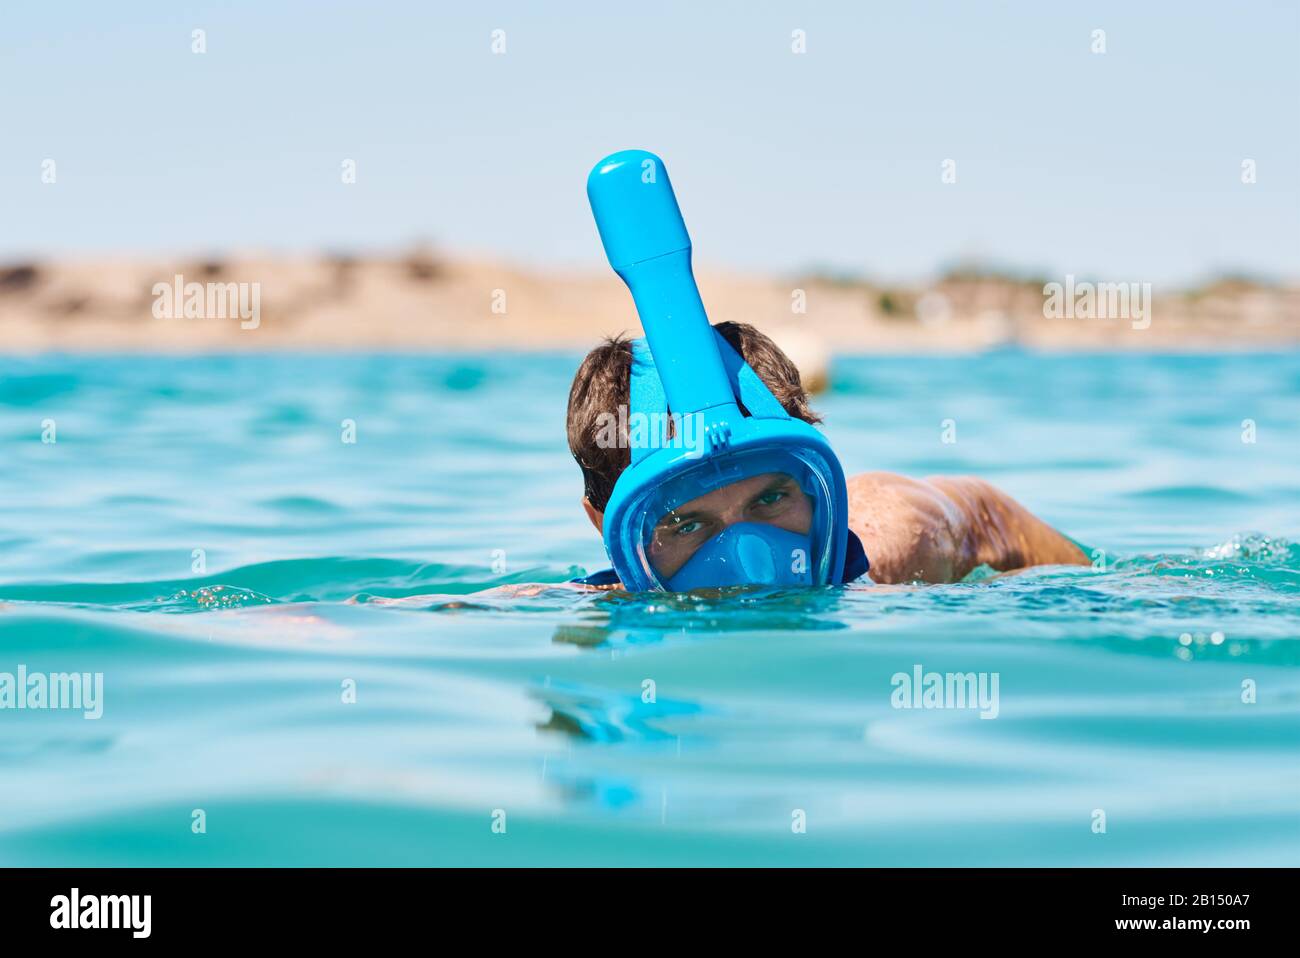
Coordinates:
<point>939,529</point>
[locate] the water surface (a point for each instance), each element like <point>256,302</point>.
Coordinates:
<point>200,533</point>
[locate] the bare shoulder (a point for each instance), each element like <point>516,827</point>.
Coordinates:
<point>940,528</point>
<point>910,529</point>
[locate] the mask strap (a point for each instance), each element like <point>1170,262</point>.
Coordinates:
<point>645,396</point>
<point>646,390</point>
<point>748,387</point>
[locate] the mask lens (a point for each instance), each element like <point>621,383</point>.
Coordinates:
<point>755,518</point>
<point>773,499</point>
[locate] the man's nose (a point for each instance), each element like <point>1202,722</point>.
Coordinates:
<point>733,515</point>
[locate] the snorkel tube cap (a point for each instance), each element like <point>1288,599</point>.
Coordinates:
<point>635,209</point>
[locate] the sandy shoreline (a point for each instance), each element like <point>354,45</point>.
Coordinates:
<point>422,302</point>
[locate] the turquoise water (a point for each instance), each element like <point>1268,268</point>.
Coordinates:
<point>1120,688</point>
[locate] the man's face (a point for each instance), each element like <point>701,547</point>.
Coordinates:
<point>773,498</point>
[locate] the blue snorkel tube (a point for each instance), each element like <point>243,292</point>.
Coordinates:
<point>646,242</point>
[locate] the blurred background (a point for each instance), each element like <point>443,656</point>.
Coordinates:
<point>412,174</point>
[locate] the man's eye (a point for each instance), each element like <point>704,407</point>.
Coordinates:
<point>689,527</point>
<point>771,497</point>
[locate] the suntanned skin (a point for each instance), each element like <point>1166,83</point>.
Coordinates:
<point>939,529</point>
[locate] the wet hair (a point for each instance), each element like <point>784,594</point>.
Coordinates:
<point>602,385</point>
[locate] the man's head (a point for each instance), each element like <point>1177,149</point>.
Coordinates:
<point>602,386</point>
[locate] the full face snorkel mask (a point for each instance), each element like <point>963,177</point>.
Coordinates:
<point>714,495</point>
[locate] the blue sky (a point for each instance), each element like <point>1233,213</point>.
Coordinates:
<point>1124,166</point>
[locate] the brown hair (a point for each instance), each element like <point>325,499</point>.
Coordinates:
<point>602,385</point>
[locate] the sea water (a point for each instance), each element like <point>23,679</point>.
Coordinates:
<point>275,567</point>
